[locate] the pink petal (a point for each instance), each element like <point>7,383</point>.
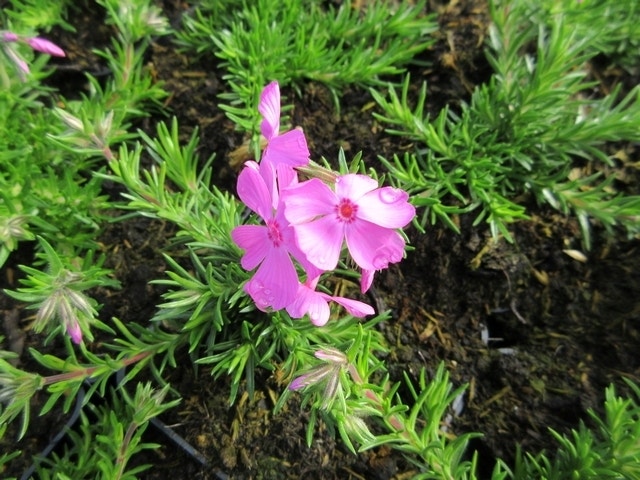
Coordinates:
<point>312,282</point>
<point>366,280</point>
<point>289,242</point>
<point>287,176</point>
<point>391,252</point>
<point>354,186</point>
<point>321,241</point>
<point>289,148</point>
<point>310,302</point>
<point>297,308</point>
<point>354,307</point>
<point>373,247</point>
<point>277,178</point>
<point>254,241</point>
<point>269,175</point>
<point>269,108</point>
<point>318,310</point>
<point>253,191</point>
<point>310,269</point>
<point>387,207</point>
<point>307,200</point>
<point>299,382</point>
<point>45,46</point>
<point>9,37</point>
<point>275,283</point>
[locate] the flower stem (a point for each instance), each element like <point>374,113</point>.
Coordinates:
<point>86,372</point>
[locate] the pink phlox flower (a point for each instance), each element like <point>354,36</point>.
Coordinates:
<point>268,247</point>
<point>358,212</point>
<point>316,304</point>
<point>45,46</point>
<point>283,151</point>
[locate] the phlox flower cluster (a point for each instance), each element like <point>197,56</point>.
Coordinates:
<point>9,39</point>
<point>306,224</point>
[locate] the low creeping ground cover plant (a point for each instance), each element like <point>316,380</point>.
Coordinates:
<point>536,128</point>
<point>273,275</point>
<point>302,40</point>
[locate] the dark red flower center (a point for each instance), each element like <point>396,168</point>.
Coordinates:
<point>346,210</point>
<point>273,232</point>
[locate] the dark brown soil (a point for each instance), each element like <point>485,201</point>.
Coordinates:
<point>560,330</point>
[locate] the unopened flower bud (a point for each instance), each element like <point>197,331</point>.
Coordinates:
<point>45,46</point>
<point>70,121</point>
<point>73,330</point>
<point>17,59</point>
<point>9,37</point>
<point>105,125</point>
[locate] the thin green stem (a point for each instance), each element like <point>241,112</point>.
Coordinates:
<point>87,372</point>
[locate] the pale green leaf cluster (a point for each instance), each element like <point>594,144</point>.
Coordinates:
<point>46,154</point>
<point>300,40</point>
<point>108,436</point>
<point>606,449</point>
<point>38,15</point>
<point>58,292</point>
<point>526,131</point>
<point>42,189</point>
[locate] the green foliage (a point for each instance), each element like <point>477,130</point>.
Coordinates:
<point>42,190</point>
<point>622,39</point>
<point>135,20</point>
<point>16,389</point>
<point>297,40</point>
<point>58,292</point>
<point>108,437</point>
<point>524,131</point>
<point>424,438</point>
<point>349,395</point>
<point>39,14</point>
<point>46,187</point>
<point>610,450</point>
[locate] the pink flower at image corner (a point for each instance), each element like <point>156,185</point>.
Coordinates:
<point>36,43</point>
<point>284,151</point>
<point>268,247</point>
<point>358,212</point>
<point>45,46</point>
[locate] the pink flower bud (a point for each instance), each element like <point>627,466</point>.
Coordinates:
<point>9,37</point>
<point>17,59</point>
<point>45,46</point>
<point>22,65</point>
<point>75,333</point>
